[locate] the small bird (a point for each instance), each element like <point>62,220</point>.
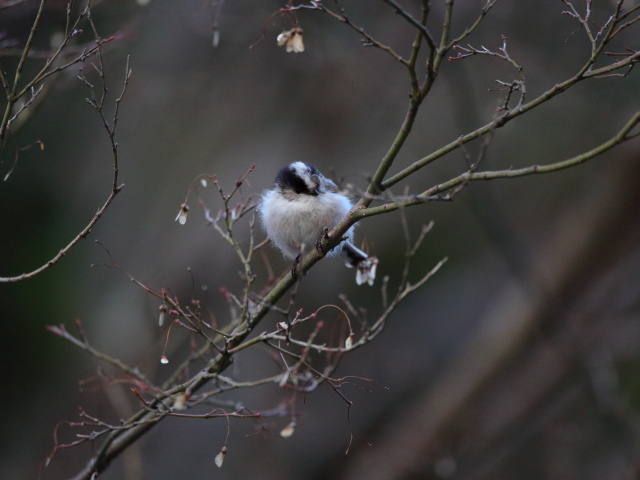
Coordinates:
<point>298,209</point>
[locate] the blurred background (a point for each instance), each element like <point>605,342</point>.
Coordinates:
<point>519,359</point>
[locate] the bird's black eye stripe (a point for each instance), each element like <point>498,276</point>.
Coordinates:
<point>287,178</point>
<point>313,170</point>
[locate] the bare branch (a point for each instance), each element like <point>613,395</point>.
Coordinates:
<point>626,133</point>
<point>507,117</point>
<point>420,25</point>
<point>115,189</point>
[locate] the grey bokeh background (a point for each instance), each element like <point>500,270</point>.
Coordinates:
<point>557,254</point>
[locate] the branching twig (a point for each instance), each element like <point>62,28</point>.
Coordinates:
<point>110,127</point>
<point>625,134</point>
<point>82,343</point>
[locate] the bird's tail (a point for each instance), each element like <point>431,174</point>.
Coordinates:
<point>366,265</point>
<point>352,255</point>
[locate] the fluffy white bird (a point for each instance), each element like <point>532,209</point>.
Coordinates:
<point>301,204</point>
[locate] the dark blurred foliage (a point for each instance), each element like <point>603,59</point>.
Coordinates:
<point>543,271</point>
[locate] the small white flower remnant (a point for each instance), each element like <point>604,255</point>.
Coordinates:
<point>182,214</point>
<point>163,313</point>
<point>179,403</point>
<point>348,343</point>
<point>366,271</point>
<point>292,40</point>
<point>283,326</point>
<point>220,457</point>
<point>287,431</point>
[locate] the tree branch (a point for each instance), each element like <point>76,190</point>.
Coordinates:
<point>625,134</point>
